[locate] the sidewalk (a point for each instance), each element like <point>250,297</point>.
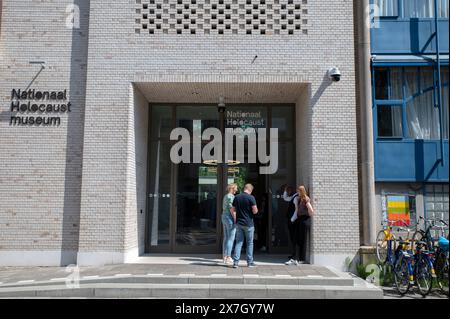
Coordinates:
<point>185,277</point>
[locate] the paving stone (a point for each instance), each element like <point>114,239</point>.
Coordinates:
<point>238,291</point>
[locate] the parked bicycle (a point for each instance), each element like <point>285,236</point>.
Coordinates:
<point>388,251</point>
<point>415,267</point>
<point>426,233</point>
<point>427,260</point>
<point>387,242</point>
<point>441,263</point>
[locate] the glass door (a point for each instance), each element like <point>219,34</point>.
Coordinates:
<point>185,200</point>
<point>244,169</point>
<point>197,186</point>
<point>158,228</point>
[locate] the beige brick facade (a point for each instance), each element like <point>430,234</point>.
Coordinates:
<point>79,188</point>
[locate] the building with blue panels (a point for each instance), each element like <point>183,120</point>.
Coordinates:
<point>410,84</point>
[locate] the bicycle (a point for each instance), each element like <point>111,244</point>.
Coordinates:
<point>439,252</point>
<point>414,268</point>
<point>424,268</point>
<point>388,252</point>
<point>387,243</point>
<point>403,269</point>
<point>425,235</point>
<point>441,263</point>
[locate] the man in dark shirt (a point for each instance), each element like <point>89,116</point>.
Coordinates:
<point>244,205</point>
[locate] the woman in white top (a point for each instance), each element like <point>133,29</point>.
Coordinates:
<point>302,221</point>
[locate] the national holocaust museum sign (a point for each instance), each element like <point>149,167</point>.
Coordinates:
<point>38,108</point>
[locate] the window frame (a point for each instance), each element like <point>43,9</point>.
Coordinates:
<point>395,16</point>
<point>405,99</point>
<point>400,14</point>
<point>412,197</point>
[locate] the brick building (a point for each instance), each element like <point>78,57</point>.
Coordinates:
<point>89,180</point>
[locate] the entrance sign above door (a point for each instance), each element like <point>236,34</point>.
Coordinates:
<point>245,120</point>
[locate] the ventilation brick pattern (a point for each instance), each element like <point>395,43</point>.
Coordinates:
<point>217,17</point>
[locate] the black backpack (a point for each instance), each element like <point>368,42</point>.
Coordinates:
<point>291,207</point>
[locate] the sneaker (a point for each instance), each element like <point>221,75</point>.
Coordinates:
<point>291,262</point>
<point>235,265</point>
<point>251,265</point>
<point>301,262</point>
<point>229,261</point>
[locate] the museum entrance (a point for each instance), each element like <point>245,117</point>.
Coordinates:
<point>184,203</point>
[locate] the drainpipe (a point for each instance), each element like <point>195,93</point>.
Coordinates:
<point>366,130</point>
<point>439,83</point>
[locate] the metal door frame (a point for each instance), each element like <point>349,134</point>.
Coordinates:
<point>222,179</point>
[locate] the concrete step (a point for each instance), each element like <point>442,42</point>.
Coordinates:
<point>192,280</point>
<point>186,281</point>
<point>233,291</point>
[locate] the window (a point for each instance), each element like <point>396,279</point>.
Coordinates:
<point>424,8</point>
<point>412,8</point>
<point>388,8</point>
<point>388,84</point>
<point>437,202</point>
<point>421,114</point>
<point>405,99</point>
<point>442,8</point>
<point>418,8</point>
<point>399,209</point>
<point>445,97</point>
<point>382,84</point>
<point>389,121</point>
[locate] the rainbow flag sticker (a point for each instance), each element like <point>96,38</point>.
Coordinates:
<point>398,210</point>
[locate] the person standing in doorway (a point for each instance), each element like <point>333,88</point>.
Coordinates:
<point>261,220</point>
<point>244,205</point>
<point>229,223</point>
<point>289,195</point>
<point>302,217</point>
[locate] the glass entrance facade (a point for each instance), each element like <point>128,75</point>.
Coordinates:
<point>185,199</point>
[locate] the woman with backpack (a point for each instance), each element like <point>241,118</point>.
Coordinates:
<point>301,219</point>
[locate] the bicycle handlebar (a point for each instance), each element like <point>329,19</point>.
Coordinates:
<point>432,222</point>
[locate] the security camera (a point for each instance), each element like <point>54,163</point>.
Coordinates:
<point>221,105</point>
<point>334,74</point>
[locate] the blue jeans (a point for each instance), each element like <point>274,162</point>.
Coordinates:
<point>229,233</point>
<point>241,233</point>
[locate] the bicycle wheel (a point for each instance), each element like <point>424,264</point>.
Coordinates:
<point>382,244</point>
<point>401,275</point>
<point>423,275</point>
<point>441,267</point>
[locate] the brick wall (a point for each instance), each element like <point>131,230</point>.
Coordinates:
<point>40,171</point>
<point>119,56</point>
